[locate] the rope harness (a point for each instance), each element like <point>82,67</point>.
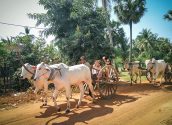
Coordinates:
<point>27,69</point>
<point>53,73</point>
<point>153,64</point>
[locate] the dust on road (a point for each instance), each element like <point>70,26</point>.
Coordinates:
<point>140,104</point>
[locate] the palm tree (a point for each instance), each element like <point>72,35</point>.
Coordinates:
<point>145,42</point>
<point>129,12</point>
<point>168,16</point>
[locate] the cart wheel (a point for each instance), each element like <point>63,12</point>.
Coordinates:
<point>107,89</point>
<point>74,88</point>
<point>149,76</point>
<point>86,88</point>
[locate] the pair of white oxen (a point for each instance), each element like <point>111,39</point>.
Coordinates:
<point>62,76</point>
<point>155,67</point>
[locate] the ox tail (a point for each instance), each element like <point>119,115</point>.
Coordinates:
<point>91,89</point>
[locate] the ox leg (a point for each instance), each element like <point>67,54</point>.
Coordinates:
<point>91,89</point>
<point>140,76</point>
<point>81,87</point>
<point>54,100</point>
<point>154,80</point>
<point>155,77</point>
<point>68,94</point>
<point>45,95</point>
<point>36,93</point>
<point>136,78</point>
<point>44,99</point>
<point>161,78</point>
<point>131,79</point>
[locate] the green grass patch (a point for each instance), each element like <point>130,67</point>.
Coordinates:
<point>126,77</point>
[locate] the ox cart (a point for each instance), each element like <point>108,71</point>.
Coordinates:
<point>167,74</point>
<point>137,69</point>
<point>106,84</point>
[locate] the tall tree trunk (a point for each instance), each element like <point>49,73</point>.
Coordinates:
<point>105,6</point>
<point>130,53</point>
<point>4,77</point>
<point>110,35</point>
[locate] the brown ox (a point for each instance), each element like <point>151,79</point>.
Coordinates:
<point>134,70</point>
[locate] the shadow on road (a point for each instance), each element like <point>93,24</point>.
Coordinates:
<point>125,87</point>
<point>86,112</point>
<point>101,107</point>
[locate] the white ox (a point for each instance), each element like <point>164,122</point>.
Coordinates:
<point>156,67</point>
<point>28,72</point>
<point>64,77</point>
<point>134,70</point>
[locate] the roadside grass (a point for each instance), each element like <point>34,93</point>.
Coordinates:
<point>126,77</point>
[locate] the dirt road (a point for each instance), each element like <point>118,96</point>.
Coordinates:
<point>142,104</point>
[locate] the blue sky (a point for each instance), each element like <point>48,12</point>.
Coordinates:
<point>15,11</point>
<point>153,19</point>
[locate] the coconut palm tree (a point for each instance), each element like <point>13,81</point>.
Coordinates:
<point>145,42</point>
<point>168,16</point>
<point>129,12</point>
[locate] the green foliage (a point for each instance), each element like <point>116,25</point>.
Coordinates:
<point>148,45</point>
<point>144,44</point>
<point>129,12</point>
<point>33,50</point>
<point>78,27</point>
<point>87,40</point>
<point>168,16</point>
<point>119,41</point>
<point>3,52</point>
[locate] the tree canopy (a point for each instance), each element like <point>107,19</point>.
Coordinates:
<point>129,12</point>
<point>79,28</point>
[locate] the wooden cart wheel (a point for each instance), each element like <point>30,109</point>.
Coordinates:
<point>149,76</point>
<point>86,88</point>
<point>107,89</point>
<point>74,88</point>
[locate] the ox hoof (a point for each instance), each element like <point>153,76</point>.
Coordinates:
<point>58,109</point>
<point>94,101</point>
<point>45,104</point>
<point>77,106</point>
<point>67,111</point>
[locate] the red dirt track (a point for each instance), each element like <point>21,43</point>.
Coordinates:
<point>140,104</point>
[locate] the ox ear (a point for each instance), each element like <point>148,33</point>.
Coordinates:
<point>153,60</point>
<point>42,63</point>
<point>26,64</point>
<point>65,66</point>
<point>47,67</point>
